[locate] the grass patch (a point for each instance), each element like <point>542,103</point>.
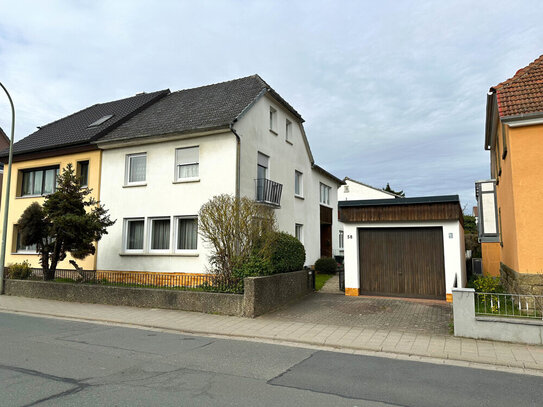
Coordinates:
<point>320,279</point>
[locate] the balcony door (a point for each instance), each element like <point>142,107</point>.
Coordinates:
<point>261,175</point>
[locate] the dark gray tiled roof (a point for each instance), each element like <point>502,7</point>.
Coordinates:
<point>73,129</point>
<point>203,108</point>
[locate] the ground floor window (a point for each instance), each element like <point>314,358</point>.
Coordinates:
<point>299,232</point>
<point>20,247</point>
<point>341,239</point>
<point>134,234</point>
<point>187,233</point>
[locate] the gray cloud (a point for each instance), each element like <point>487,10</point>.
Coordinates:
<point>391,92</point>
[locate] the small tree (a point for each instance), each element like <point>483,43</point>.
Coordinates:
<point>63,224</point>
<point>234,228</point>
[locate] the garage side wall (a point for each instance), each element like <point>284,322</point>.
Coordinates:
<point>453,249</point>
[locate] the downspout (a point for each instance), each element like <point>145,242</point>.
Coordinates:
<point>238,159</point>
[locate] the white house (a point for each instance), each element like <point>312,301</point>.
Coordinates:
<point>238,137</point>
<point>354,190</point>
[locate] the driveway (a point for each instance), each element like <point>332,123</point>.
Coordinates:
<point>331,307</point>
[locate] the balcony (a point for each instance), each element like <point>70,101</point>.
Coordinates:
<point>268,192</point>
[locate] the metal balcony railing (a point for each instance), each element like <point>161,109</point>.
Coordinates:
<point>268,191</point>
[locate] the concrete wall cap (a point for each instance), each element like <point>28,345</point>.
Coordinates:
<point>465,290</point>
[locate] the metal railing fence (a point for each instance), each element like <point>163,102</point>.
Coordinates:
<point>509,305</point>
<point>199,282</point>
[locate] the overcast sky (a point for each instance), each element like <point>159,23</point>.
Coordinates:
<point>391,91</point>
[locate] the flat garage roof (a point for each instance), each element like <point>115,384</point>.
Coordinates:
<point>427,208</point>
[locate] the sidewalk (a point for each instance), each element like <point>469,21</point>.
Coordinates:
<point>509,357</point>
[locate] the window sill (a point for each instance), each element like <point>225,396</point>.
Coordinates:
<point>24,253</point>
<point>325,205</point>
<point>30,196</point>
<point>289,142</point>
<point>186,180</point>
<point>274,132</point>
<point>169,254</point>
<point>140,184</point>
<point>298,196</point>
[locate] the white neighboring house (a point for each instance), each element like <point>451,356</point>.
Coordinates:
<point>238,137</point>
<point>353,190</point>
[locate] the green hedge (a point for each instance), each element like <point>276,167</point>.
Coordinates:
<point>326,265</point>
<point>287,253</point>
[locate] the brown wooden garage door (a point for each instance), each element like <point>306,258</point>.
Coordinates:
<point>402,262</point>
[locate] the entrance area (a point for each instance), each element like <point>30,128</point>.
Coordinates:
<point>326,231</point>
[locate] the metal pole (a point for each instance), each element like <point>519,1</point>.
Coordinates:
<point>6,197</point>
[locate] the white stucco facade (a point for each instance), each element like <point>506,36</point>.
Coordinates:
<point>160,196</point>
<point>453,250</point>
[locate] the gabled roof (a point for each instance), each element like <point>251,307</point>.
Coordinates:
<point>369,186</point>
<point>198,109</point>
<point>523,93</point>
<point>73,130</point>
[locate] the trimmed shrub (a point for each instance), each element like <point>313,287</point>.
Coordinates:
<point>286,253</point>
<point>326,265</point>
<point>19,271</point>
<point>255,266</point>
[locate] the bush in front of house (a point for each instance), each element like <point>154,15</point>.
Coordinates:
<point>486,284</point>
<point>19,271</point>
<point>326,265</point>
<point>285,254</point>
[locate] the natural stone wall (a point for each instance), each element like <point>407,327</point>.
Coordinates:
<point>521,283</point>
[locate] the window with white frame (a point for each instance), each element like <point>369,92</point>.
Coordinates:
<point>187,233</point>
<point>288,131</point>
<point>20,247</point>
<point>341,239</point>
<point>187,163</point>
<point>134,234</point>
<point>273,120</point>
<point>298,183</point>
<point>325,194</point>
<point>160,234</point>
<point>136,167</point>
<point>299,232</point>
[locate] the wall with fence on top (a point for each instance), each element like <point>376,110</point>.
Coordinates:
<point>498,316</point>
<point>261,295</point>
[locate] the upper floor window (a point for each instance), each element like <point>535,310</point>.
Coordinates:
<point>40,181</point>
<point>325,194</point>
<point>273,119</point>
<point>83,172</point>
<point>187,163</point>
<point>136,167</point>
<point>298,184</point>
<point>288,131</point>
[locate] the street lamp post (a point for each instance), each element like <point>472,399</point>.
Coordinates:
<point>6,197</point>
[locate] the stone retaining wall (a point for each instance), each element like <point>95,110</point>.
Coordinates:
<point>520,283</point>
<point>262,294</point>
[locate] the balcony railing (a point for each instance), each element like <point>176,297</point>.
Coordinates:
<point>268,191</point>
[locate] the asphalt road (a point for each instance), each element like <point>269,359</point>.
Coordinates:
<point>48,362</point>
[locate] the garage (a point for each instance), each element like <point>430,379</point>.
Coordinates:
<point>402,261</point>
<point>408,247</point>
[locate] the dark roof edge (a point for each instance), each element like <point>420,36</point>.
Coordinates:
<point>280,99</point>
<point>402,201</point>
<point>161,135</point>
<point>524,116</point>
<point>322,171</point>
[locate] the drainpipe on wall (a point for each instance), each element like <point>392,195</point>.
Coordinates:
<point>238,158</point>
